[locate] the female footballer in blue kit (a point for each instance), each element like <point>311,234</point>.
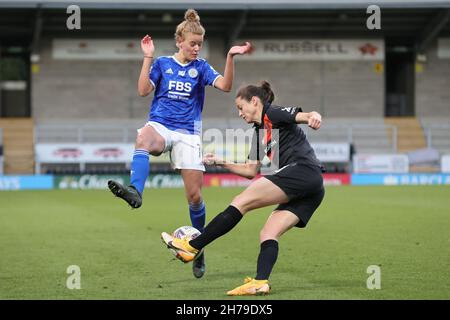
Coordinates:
<point>174,122</point>
<point>297,187</point>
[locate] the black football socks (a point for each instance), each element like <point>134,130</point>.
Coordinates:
<point>218,226</point>
<point>266,260</point>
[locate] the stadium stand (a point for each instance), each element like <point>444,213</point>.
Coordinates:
<point>366,135</point>
<point>361,99</point>
<point>376,135</point>
<point>409,133</point>
<point>18,145</point>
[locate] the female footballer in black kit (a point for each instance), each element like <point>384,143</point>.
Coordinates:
<point>297,186</point>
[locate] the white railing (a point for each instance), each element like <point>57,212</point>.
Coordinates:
<point>365,137</point>
<point>438,136</point>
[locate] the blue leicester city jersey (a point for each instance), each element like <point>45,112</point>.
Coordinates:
<point>180,92</point>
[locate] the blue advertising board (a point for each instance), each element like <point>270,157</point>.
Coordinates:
<point>401,179</point>
<point>26,182</point>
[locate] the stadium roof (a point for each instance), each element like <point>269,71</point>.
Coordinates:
<point>414,22</point>
<point>228,4</point>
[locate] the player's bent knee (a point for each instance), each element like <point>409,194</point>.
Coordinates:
<point>152,145</point>
<point>141,142</point>
<point>194,197</point>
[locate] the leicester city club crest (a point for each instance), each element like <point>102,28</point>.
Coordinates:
<point>193,72</point>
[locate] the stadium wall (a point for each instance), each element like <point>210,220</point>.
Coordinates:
<point>432,85</point>
<point>85,89</point>
<point>334,88</point>
<point>107,89</point>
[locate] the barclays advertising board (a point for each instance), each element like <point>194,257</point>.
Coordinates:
<point>401,179</point>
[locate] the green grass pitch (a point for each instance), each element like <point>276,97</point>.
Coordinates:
<point>404,230</point>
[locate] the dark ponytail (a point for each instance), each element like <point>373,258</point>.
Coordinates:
<point>263,92</point>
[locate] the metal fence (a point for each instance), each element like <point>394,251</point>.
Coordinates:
<point>438,137</point>
<point>365,137</point>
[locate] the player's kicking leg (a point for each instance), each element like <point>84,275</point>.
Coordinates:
<point>181,248</point>
<point>187,250</point>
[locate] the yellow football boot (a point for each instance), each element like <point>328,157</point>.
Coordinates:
<point>180,248</point>
<point>251,287</point>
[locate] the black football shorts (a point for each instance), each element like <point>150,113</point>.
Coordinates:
<point>303,184</point>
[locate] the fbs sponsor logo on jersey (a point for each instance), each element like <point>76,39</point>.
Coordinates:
<point>180,86</point>
<point>179,90</point>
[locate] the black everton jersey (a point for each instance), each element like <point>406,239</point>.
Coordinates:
<point>280,138</point>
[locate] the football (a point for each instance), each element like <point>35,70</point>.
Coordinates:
<point>186,232</point>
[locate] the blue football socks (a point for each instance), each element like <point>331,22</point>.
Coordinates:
<point>140,168</point>
<point>198,215</point>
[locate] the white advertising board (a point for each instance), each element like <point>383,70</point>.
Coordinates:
<point>316,49</point>
<point>380,163</point>
<point>332,152</point>
<point>83,153</point>
<point>113,49</point>
<point>445,163</point>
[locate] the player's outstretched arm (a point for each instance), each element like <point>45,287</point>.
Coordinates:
<point>225,83</point>
<point>313,119</point>
<point>148,49</point>
<point>247,170</point>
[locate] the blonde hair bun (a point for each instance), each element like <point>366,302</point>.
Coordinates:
<point>192,16</point>
<point>190,24</point>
